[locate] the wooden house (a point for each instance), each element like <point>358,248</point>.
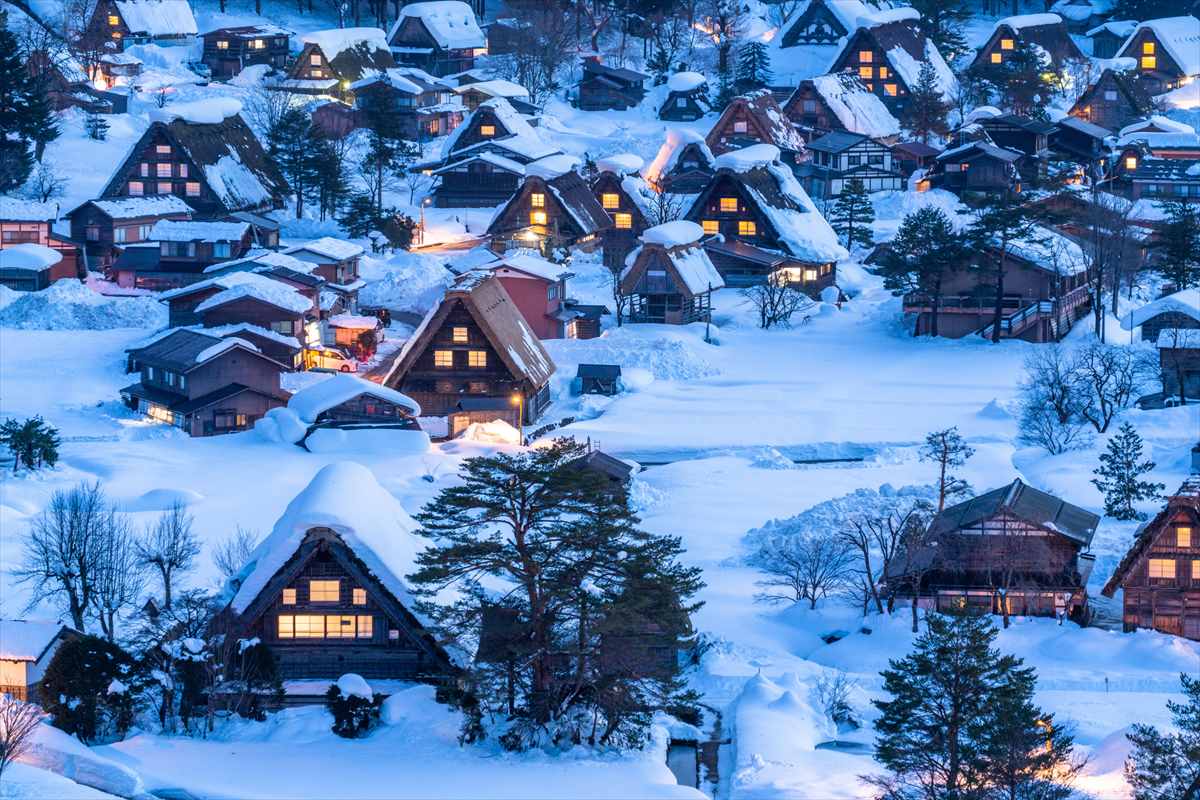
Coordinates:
<point>114,23</point>
<point>507,35</point>
<point>537,287</point>
<point>441,37</point>
<point>602,379</point>
<point>265,231</point>
<point>1030,137</point>
<point>627,199</point>
<point>823,22</point>
<point>1160,575</point>
<point>1082,143</point>
<point>177,252</point>
<point>104,226</point>
<point>1178,365</point>
<point>1015,547</point>
<point>337,262</point>
<point>669,277</point>
<point>228,51</point>
<point>838,158</point>
<point>424,107</point>
<point>477,92</point>
<point>347,402</point>
<point>26,649</point>
<point>1047,31</point>
<point>908,157</point>
<point>605,88</point>
<point>683,165</point>
<point>475,344</point>
<point>1167,52</point>
<point>755,118</point>
<point>325,590</point>
<point>975,168</point>
<point>1113,100</point>
<point>483,160</point>
<point>1047,287</point>
<point>1177,310</point>
<point>755,198</point>
<point>1162,179</point>
<point>887,57</point>
<point>332,60</point>
<point>117,69</point>
<point>245,297</point>
<point>687,98</point>
<point>554,207</point>
<point>28,267</point>
<point>1151,139</point>
<point>216,167</point>
<point>840,103</point>
<point>742,265</point>
<point>203,384</point>
<point>1108,38</point>
<point>32,222</point>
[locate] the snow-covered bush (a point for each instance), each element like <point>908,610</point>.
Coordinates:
<point>354,706</point>
<point>89,689</point>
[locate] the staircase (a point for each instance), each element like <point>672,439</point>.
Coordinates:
<point>1022,320</point>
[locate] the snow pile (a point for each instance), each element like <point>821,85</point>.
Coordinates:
<point>409,282</point>
<point>665,352</point>
<point>495,432</point>
<point>685,81</point>
<point>620,163</point>
<point>29,256</point>
<point>70,305</point>
<point>21,640</point>
<point>550,167</point>
<point>1028,21</point>
<point>674,234</point>
<point>61,753</point>
<point>352,685</point>
<point>451,23</point>
<point>776,724</point>
<point>888,16</point>
<point>389,442</point>
<point>770,458</point>
<point>158,17</point>
<point>209,111</point>
<point>748,158</point>
<point>335,41</point>
<point>281,425</point>
<point>162,500</point>
<point>310,402</point>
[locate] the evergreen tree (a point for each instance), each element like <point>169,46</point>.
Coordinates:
<point>1003,220</point>
<point>753,67</point>
<point>852,215</point>
<point>1166,766</point>
<point>381,120</point>
<point>925,113</point>
<point>925,251</point>
<point>330,183</point>
<point>88,689</point>
<point>95,125</point>
<point>562,551</point>
<point>943,22</point>
<point>359,218</point>
<point>16,159</point>
<point>948,450</point>
<point>33,443</point>
<point>1179,243</point>
<point>290,143</point>
<point>42,124</point>
<point>1117,476</point>
<point>1021,83</point>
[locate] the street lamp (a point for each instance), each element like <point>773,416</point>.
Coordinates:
<point>518,400</point>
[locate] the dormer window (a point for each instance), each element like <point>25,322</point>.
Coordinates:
<point>114,20</point>
<point>537,200</point>
<point>739,126</point>
<point>1006,44</point>
<point>610,200</point>
<point>487,130</point>
<point>729,204</point>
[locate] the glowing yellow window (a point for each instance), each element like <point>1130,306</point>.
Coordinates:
<point>162,149</point>
<point>996,58</point>
<point>113,19</point>
<point>1148,48</point>
<point>116,34</point>
<point>866,56</point>
<point>747,228</point>
<point>1196,570</point>
<point>222,44</point>
<point>710,226</point>
<point>339,627</point>
<point>1162,568</point>
<point>366,627</point>
<point>459,335</point>
<point>1006,44</point>
<point>1183,537</point>
<point>866,72</point>
<point>259,44</point>
<point>623,221</point>
<point>537,200</point>
<point>537,218</point>
<point>314,59</point>
<point>286,628</point>
<point>610,200</point>
<point>1131,162</point>
<point>1149,62</point>
<point>289,597</point>
<point>360,597</point>
<point>487,130</point>
<point>477,358</point>
<point>890,89</point>
<point>810,274</point>
<point>310,626</point>
<point>323,591</point>
<point>883,72</point>
<point>729,204</point>
<point>443,358</point>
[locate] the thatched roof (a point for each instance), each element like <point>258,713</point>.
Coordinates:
<point>1186,500</point>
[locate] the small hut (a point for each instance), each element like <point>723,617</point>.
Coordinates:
<point>687,98</point>
<point>669,278</point>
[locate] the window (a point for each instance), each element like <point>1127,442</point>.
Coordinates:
<point>259,44</point>
<point>866,72</point>
<point>310,626</point>
<point>323,591</point>
<point>681,102</point>
<point>222,44</point>
<point>537,200</point>
<point>478,387</point>
<point>1148,48</point>
<point>747,228</point>
<point>182,170</point>
<point>162,170</point>
<point>610,200</point>
<point>287,327</point>
<point>487,130</point>
<point>883,72</point>
<point>192,188</point>
<point>366,627</point>
<point>163,149</point>
<point>287,627</point>
<point>144,232</point>
<point>1162,568</point>
<point>178,249</point>
<point>289,597</point>
<point>996,58</point>
<point>623,221</point>
<point>1183,536</point>
<point>318,73</point>
<point>537,218</point>
<point>221,250</point>
<point>459,335</point>
<point>890,89</point>
<point>314,59</point>
<point>1006,44</point>
<point>170,376</point>
<point>477,358</point>
<point>443,358</point>
<point>810,274</point>
<point>810,106</point>
<point>136,188</point>
<point>710,226</point>
<point>1149,62</point>
<point>740,126</point>
<point>145,170</point>
<point>118,235</point>
<point>1130,162</point>
<point>164,187</point>
<point>1195,570</point>
<point>113,19</point>
<point>359,596</point>
<point>552,291</point>
<point>1110,94</point>
<point>729,204</point>
<point>116,34</point>
<point>150,373</point>
<point>339,627</point>
<point>866,57</point>
<point>92,233</point>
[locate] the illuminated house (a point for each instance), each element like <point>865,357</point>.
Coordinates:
<point>554,207</point>
<point>228,51</point>
<point>332,60</point>
<point>887,57</point>
<point>627,199</point>
<point>117,22</point>
<point>669,278</point>
<point>1046,31</point>
<point>1167,52</point>
<point>441,37</point>
<point>755,118</point>
<point>1114,100</point>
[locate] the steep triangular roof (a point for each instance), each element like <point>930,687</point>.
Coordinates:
<point>676,247</point>
<point>678,140</point>
<point>350,52</point>
<point>905,48</point>
<point>513,132</point>
<point>570,192</point>
<point>1031,505</point>
<point>766,123</point>
<point>1186,500</point>
<point>856,107</point>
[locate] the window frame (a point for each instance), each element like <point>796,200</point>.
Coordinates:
<point>313,591</point>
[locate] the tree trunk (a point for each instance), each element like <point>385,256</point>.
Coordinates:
<point>998,312</point>
<point>916,628</point>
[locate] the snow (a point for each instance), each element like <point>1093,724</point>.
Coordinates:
<point>1051,250</point>
<point>886,16</point>
<point>169,230</point>
<point>235,184</point>
<point>1183,338</point>
<point>212,351</point>
<point>335,41</point>
<point>70,305</point>
<point>29,256</point>
<point>249,284</point>
<point>1180,36</point>
<point>327,246</point>
<point>1121,28</point>
<point>1185,301</point>
<point>495,432</point>
<point>910,69</point>
<point>496,87</point>
<point>696,269</point>
<point>553,166</point>
<point>130,207</point>
<point>523,139</point>
<point>672,234</point>
<point>352,685</point>
<point>620,163</point>
<point>859,110</point>
<point>748,158</point>
<point>451,23</point>
<point>806,233</point>
<point>685,81</point>
<point>310,402</point>
<point>24,640</point>
<point>158,17</point>
<point>354,322</point>
<point>210,111</point>
<point>58,752</point>
<point>386,442</point>
<point>17,209</point>
<point>1027,21</point>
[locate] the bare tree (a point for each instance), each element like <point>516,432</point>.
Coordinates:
<point>662,207</point>
<point>1115,248</point>
<point>778,13</point>
<point>232,552</point>
<point>948,450</point>
<point>264,108</point>
<point>916,556</point>
<point>1109,378</point>
<point>120,575</point>
<point>544,45</point>
<point>169,547</point>
<point>876,538</point>
<point>1174,359</point>
<point>18,721</point>
<point>620,300</point>
<point>1051,402</point>
<point>776,301</point>
<point>63,550</point>
<point>833,693</point>
<point>803,567</point>
<point>45,184</point>
<point>1013,553</point>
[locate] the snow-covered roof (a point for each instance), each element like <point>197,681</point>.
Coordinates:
<point>909,68</point>
<point>1186,302</point>
<point>1028,21</point>
<point>668,155</point>
<point>856,107</point>
<point>552,166</point>
<point>235,183</point>
<point>356,322</point>
<point>158,17</point>
<point>17,209</point>
<point>346,498</point>
<point>228,343</point>
<point>170,230</point>
<point>1180,36</point>
<point>21,640</point>
<point>209,111</point>
<point>685,81</point>
<point>1159,131</point>
<point>1120,28</point>
<point>620,163</point>
<point>1178,338</point>
<point>888,15</point>
<point>311,401</point>
<point>263,289</point>
<point>522,139</point>
<point>328,247</point>
<point>451,23</point>
<point>120,59</point>
<point>531,265</point>
<point>1051,251</point>
<point>673,234</point>
<point>335,41</point>
<point>131,207</point>
<point>29,256</point>
<point>695,268</point>
<point>496,87</point>
<point>748,158</point>
<point>393,76</point>
<point>248,328</point>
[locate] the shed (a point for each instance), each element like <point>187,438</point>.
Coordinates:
<point>598,378</point>
<point>26,648</point>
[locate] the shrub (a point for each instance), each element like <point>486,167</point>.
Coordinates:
<point>88,689</point>
<point>354,706</point>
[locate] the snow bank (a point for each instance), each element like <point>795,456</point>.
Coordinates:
<point>310,402</point>
<point>665,352</point>
<point>61,753</point>
<point>70,305</point>
<point>209,111</point>
<point>748,158</point>
<point>620,163</point>
<point>281,425</point>
<point>776,722</point>
<point>384,441</point>
<point>673,234</point>
<point>685,81</point>
<point>352,685</point>
<point>29,256</point>
<point>495,432</point>
<point>162,500</point>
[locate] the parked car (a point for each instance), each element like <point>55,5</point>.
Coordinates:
<point>332,358</point>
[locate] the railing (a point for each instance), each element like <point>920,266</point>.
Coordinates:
<point>959,303</point>
<point>1015,323</point>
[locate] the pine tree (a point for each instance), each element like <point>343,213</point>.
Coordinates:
<point>1118,473</point>
<point>925,113</point>
<point>359,218</point>
<point>925,251</point>
<point>1166,766</point>
<point>852,215</point>
<point>16,159</point>
<point>753,67</point>
<point>290,143</point>
<point>42,125</point>
<point>95,125</point>
<point>330,183</point>
<point>1003,220</point>
<point>33,443</point>
<point>942,21</point>
<point>1179,243</point>
<point>948,450</point>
